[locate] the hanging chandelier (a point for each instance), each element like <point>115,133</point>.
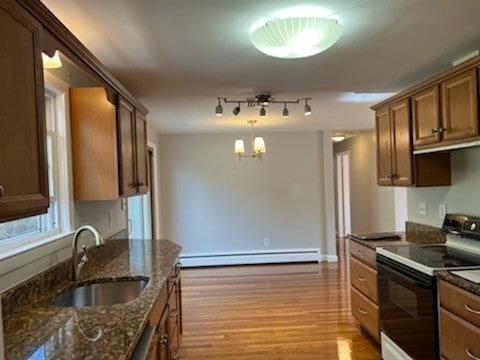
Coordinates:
<point>258,145</point>
<point>262,101</point>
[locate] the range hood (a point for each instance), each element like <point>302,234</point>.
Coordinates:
<point>451,147</point>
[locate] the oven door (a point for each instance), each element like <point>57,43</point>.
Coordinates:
<point>407,300</point>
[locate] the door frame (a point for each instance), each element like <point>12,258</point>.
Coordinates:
<point>155,192</point>
<point>344,225</point>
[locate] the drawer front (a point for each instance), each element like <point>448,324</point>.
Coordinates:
<point>460,302</point>
<point>158,307</point>
<point>364,278</point>
<point>363,253</point>
<point>366,312</point>
<point>458,339</point>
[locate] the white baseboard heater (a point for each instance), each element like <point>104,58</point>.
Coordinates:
<point>243,258</point>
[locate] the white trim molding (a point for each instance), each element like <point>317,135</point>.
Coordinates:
<point>257,257</point>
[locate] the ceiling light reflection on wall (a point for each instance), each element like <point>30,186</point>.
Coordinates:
<point>296,37</point>
<point>53,62</point>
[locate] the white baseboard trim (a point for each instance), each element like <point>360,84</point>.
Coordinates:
<point>329,258</point>
<point>243,258</point>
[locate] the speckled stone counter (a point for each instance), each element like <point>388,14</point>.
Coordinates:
<point>34,329</point>
<point>414,234</point>
<point>459,281</point>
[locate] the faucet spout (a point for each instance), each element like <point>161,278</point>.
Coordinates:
<point>99,241</point>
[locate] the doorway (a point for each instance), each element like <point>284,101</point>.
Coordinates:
<point>343,194</point>
<point>142,208</point>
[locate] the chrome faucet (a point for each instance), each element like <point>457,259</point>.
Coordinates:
<point>99,241</point>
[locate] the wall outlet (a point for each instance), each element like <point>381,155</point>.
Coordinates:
<point>442,210</point>
<point>123,204</point>
<point>266,242</point>
<point>110,219</point>
<point>423,208</point>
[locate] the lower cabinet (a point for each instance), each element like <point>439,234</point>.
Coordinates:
<point>166,316</point>
<point>459,323</point>
<point>363,277</point>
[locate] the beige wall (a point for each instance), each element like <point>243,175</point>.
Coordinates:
<point>463,196</point>
<point>372,206</point>
<point>212,203</point>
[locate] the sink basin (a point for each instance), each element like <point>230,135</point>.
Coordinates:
<point>102,293</point>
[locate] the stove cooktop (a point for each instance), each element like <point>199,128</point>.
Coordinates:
<point>428,258</point>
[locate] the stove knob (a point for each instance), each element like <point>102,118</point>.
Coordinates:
<point>473,226</point>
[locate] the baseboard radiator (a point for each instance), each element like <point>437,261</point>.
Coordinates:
<point>244,258</point>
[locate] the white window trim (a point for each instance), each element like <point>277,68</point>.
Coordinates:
<point>64,191</point>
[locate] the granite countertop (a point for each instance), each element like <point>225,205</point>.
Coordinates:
<point>373,244</point>
<point>34,329</point>
<point>458,281</point>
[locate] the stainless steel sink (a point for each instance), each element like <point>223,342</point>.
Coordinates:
<point>102,293</point>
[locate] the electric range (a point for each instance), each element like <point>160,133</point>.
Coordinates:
<point>408,288</point>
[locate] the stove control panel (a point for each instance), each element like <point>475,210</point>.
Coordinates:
<point>464,225</point>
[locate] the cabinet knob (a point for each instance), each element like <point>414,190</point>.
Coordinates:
<point>388,176</point>
<point>1,191</point>
<point>439,130</point>
<point>434,131</point>
<point>163,339</point>
<point>140,184</point>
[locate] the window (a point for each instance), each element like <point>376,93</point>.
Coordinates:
<point>51,223</point>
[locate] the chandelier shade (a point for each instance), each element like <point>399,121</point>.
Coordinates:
<point>257,143</point>
<point>296,37</point>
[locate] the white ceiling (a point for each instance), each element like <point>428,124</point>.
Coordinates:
<point>178,56</point>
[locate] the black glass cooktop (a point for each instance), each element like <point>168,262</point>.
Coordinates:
<point>436,256</point>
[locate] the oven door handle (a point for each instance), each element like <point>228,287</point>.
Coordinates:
<point>407,278</point>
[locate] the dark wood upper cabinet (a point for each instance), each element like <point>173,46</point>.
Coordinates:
<point>460,106</point>
<point>141,153</point>
<point>426,116</point>
<point>384,146</point>
<point>23,162</point>
<point>126,146</point>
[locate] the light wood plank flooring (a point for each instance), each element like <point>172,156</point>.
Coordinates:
<point>271,312</point>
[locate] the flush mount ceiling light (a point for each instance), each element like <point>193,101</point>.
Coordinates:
<point>338,138</point>
<point>296,37</point>
<point>258,145</point>
<point>262,101</point>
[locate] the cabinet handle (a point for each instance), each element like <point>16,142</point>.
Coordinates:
<point>470,355</point>
<point>434,131</point>
<point>469,309</point>
<point>361,311</point>
<point>163,339</point>
<point>175,354</point>
<point>140,184</point>
<point>388,176</point>
<point>441,129</point>
<point>361,278</point>
<point>1,191</point>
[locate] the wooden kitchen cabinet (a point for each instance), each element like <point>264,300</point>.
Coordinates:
<point>104,146</point>
<point>23,162</point>
<point>364,290</point>
<point>459,323</point>
<point>166,317</point>
<point>396,164</point>
<point>426,116</point>
<point>460,106</point>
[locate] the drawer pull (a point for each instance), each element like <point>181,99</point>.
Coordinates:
<point>361,311</point>
<point>470,355</point>
<point>473,311</point>
<point>173,313</point>
<point>361,278</point>
<point>175,354</point>
<point>1,191</point>
<point>163,339</point>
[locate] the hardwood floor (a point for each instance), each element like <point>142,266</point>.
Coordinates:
<point>271,312</point>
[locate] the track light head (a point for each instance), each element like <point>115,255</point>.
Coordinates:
<point>263,112</point>
<point>219,109</point>
<point>236,110</point>
<point>285,111</point>
<point>307,109</point>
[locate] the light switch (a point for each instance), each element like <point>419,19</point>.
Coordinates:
<point>442,210</point>
<point>423,208</point>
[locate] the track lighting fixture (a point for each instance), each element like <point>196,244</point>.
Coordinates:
<point>262,101</point>
<point>285,111</point>
<point>307,109</point>
<point>219,109</point>
<point>236,110</point>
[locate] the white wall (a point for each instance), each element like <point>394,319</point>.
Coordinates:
<point>372,207</point>
<point>212,203</point>
<point>462,196</point>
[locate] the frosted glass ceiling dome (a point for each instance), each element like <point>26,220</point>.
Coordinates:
<point>296,37</point>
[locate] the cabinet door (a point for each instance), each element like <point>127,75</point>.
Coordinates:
<point>402,144</point>
<point>126,144</point>
<point>23,172</point>
<point>426,116</point>
<point>173,325</point>
<point>141,152</point>
<point>162,329</point>
<point>460,106</point>
<point>384,147</point>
